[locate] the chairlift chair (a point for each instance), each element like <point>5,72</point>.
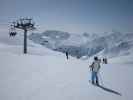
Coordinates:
<point>12,32</point>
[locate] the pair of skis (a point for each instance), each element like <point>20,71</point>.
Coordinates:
<point>94,84</point>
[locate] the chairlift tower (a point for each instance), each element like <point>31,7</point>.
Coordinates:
<point>25,24</point>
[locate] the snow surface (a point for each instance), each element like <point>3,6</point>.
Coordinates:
<point>43,74</point>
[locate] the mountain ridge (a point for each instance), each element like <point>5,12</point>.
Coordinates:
<point>84,44</point>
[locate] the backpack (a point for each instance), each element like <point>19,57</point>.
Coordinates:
<point>91,66</point>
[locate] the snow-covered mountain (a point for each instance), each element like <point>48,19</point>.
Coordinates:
<point>109,44</point>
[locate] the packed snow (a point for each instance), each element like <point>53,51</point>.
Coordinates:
<point>43,74</point>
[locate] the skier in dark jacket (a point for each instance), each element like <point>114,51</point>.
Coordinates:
<point>67,55</point>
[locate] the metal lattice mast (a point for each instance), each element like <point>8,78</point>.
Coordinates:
<point>25,24</point>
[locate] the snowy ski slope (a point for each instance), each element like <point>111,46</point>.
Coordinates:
<point>43,74</point>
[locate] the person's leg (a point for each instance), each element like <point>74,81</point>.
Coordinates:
<point>93,77</point>
<point>97,80</point>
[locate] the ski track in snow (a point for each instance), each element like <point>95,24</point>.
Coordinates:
<point>43,74</point>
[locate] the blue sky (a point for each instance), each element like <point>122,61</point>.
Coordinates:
<point>76,16</point>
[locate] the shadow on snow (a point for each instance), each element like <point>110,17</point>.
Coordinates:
<point>110,90</point>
